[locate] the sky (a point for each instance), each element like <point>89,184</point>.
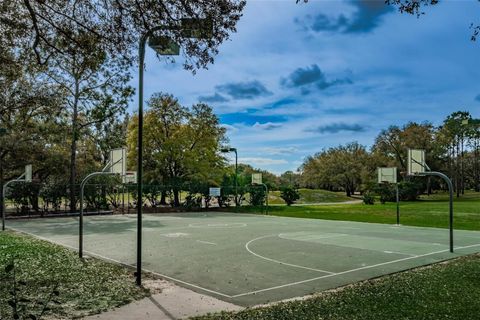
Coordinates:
<point>299,78</point>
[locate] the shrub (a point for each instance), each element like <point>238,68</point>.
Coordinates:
<point>368,198</point>
<point>257,195</point>
<point>289,195</point>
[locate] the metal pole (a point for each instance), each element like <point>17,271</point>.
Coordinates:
<point>398,205</point>
<point>80,220</point>
<point>266,198</point>
<point>4,192</point>
<point>450,189</point>
<point>141,64</point>
<point>236,178</point>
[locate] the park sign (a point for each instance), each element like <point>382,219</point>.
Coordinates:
<point>214,192</point>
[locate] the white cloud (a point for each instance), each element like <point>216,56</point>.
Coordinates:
<point>262,161</point>
<point>279,150</point>
<point>266,125</point>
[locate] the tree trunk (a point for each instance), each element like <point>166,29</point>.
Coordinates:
<point>73,152</point>
<point>176,198</point>
<point>163,198</point>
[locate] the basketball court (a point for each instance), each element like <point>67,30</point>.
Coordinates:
<point>251,259</point>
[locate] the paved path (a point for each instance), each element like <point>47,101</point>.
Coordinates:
<point>173,302</point>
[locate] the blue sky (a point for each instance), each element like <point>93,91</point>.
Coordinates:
<point>297,78</point>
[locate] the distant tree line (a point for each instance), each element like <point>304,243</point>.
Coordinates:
<point>452,148</point>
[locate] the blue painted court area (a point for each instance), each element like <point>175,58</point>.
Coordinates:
<point>252,259</point>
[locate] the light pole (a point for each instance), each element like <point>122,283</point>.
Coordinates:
<point>226,150</point>
<point>190,28</point>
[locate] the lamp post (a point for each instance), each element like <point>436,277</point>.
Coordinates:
<point>190,28</point>
<point>226,150</point>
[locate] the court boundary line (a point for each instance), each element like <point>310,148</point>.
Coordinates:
<point>122,263</point>
<point>352,270</point>
<point>278,261</point>
<point>255,291</point>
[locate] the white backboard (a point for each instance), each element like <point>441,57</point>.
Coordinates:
<point>28,173</point>
<point>416,161</point>
<point>118,161</point>
<point>130,177</point>
<point>387,175</point>
<point>214,192</point>
<point>256,178</point>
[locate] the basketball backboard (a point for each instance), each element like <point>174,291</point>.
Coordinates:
<point>28,173</point>
<point>416,162</point>
<point>256,178</point>
<point>387,175</point>
<point>118,161</point>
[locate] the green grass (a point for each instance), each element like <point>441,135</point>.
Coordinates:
<point>85,287</point>
<point>430,211</point>
<point>443,291</point>
<point>308,196</point>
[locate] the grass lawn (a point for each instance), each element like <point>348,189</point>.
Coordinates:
<point>84,287</point>
<point>443,291</point>
<point>430,211</point>
<point>310,196</point>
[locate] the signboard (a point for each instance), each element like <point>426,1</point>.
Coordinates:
<point>388,175</point>
<point>416,161</point>
<point>256,178</point>
<point>130,177</point>
<point>214,192</point>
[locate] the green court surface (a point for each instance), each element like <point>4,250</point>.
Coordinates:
<point>250,259</point>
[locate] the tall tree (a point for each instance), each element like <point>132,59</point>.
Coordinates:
<point>181,144</point>
<point>96,90</point>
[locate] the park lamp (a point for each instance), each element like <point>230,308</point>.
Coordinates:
<point>163,45</point>
<point>228,149</point>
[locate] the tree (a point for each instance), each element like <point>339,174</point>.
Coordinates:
<point>96,89</point>
<point>289,195</point>
<point>454,137</point>
<point>342,167</point>
<point>115,25</point>
<point>181,144</point>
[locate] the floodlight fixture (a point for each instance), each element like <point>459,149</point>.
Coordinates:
<point>164,46</point>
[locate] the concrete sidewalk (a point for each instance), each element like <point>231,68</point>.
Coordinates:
<point>173,302</point>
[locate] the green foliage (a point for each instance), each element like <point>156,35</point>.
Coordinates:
<point>257,195</point>
<point>410,190</point>
<point>289,195</point>
<point>22,305</point>
<point>368,198</point>
<point>181,144</point>
<point>84,286</point>
<point>52,193</point>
